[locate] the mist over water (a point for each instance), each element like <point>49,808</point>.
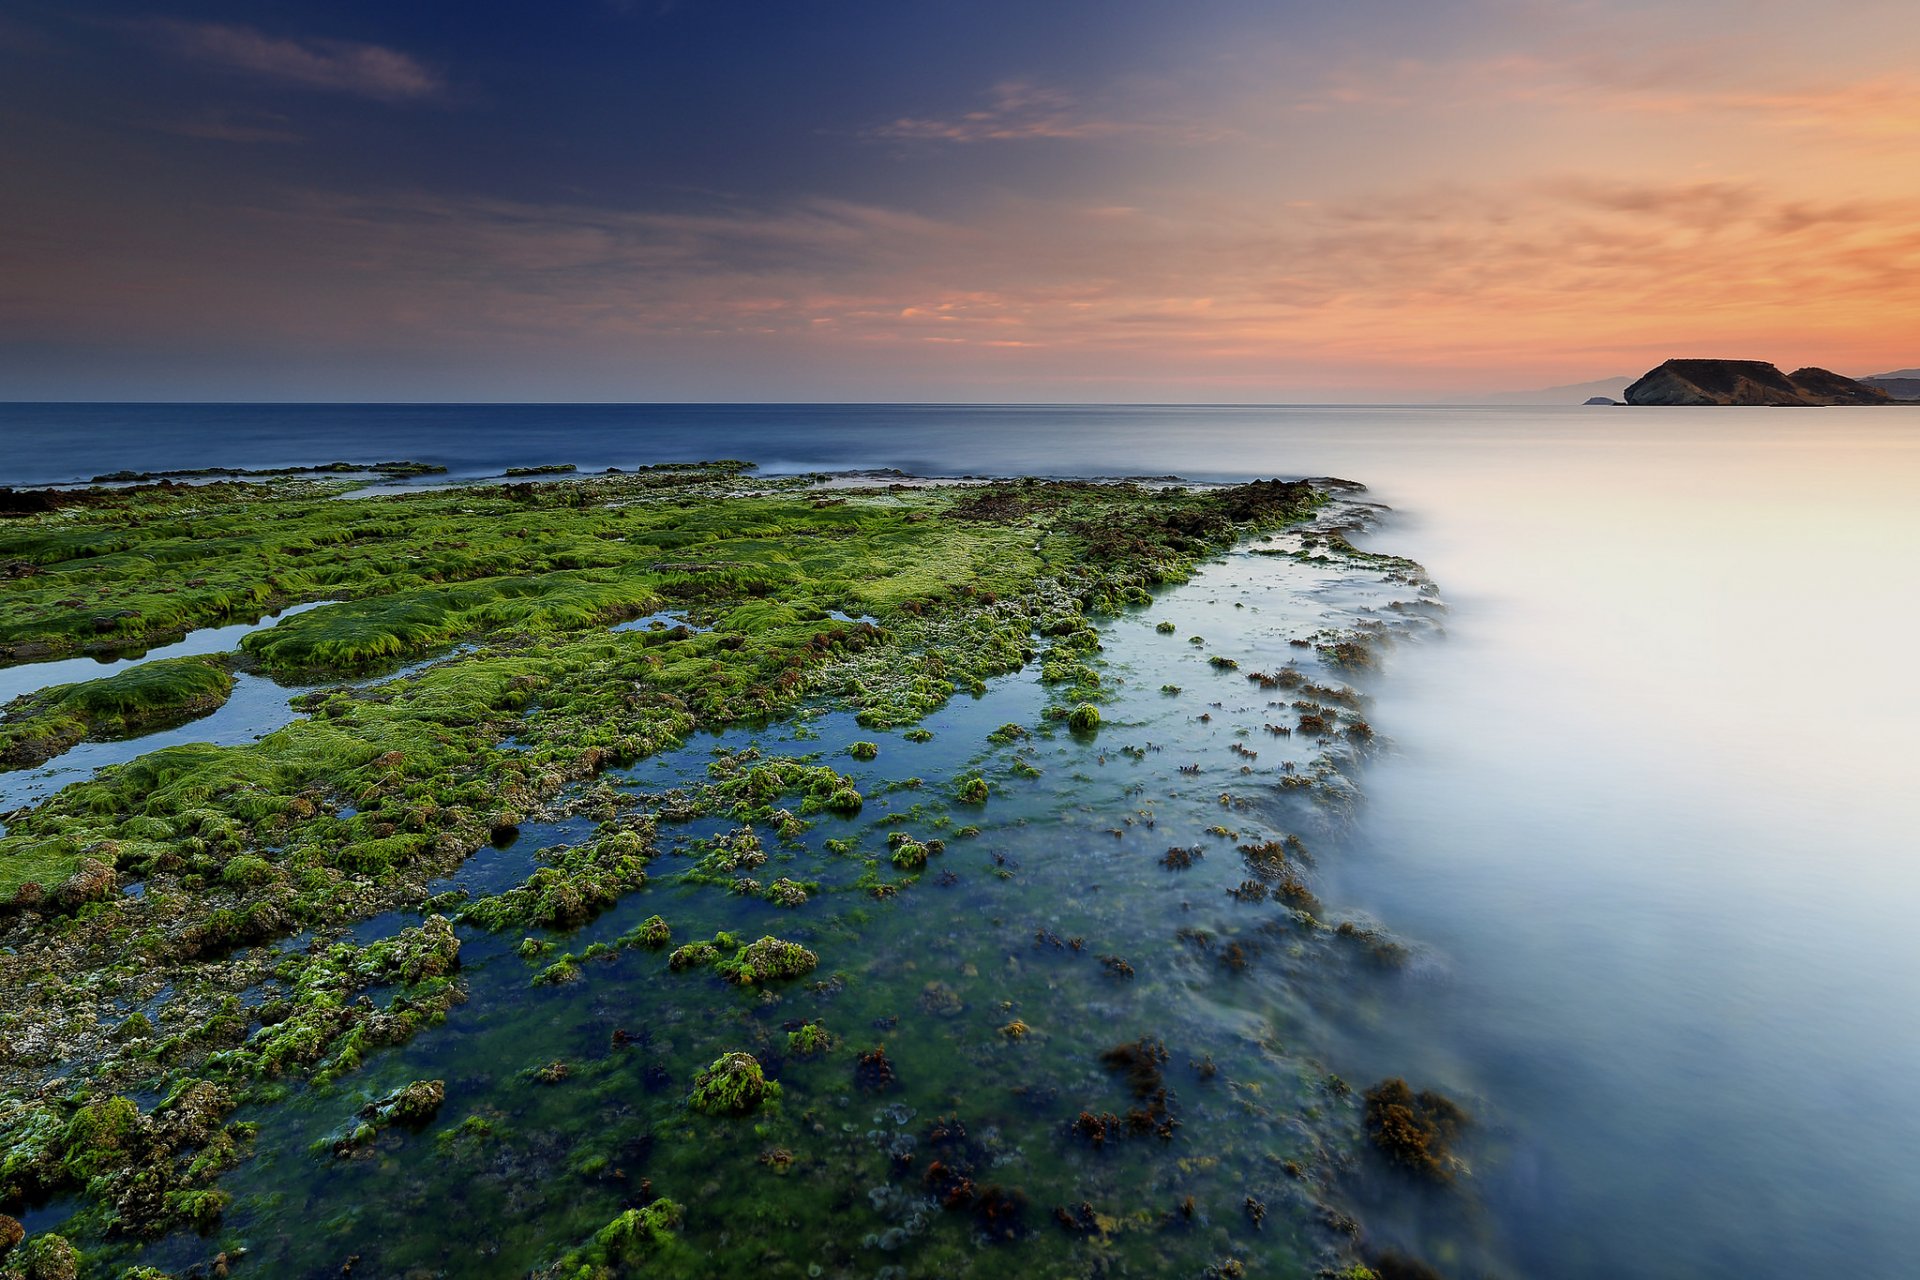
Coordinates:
<point>1651,806</point>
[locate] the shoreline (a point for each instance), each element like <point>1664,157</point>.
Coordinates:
<point>1120,544</point>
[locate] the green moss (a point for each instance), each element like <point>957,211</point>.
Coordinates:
<point>623,1246</point>
<point>768,959</point>
<point>790,893</point>
<point>99,1135</point>
<point>1166,628</point>
<point>863,750</point>
<point>577,885</point>
<point>693,955</point>
<point>346,812</point>
<point>652,933</point>
<point>809,1040</point>
<point>733,1086</point>
<point>45,1256</point>
<point>972,789</point>
<point>153,695</point>
<point>1085,718</point>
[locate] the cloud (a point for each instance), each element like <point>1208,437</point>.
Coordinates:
<point>340,66</point>
<point>231,126</point>
<point>1422,284</point>
<point>1017,111</point>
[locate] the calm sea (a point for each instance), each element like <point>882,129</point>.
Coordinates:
<point>1653,810</point>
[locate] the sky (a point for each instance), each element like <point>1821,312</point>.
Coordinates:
<point>930,200</point>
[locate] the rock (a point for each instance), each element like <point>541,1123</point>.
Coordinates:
<point>733,1086</point>
<point>1600,400</point>
<point>11,1233</point>
<point>1747,382</point>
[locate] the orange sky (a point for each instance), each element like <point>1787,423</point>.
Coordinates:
<point>1398,201</point>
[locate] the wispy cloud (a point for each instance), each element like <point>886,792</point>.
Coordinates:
<point>231,126</point>
<point>1017,111</point>
<point>340,66</point>
<point>1884,106</point>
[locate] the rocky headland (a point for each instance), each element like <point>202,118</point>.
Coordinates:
<point>1747,382</point>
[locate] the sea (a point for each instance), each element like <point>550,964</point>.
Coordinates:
<point>1650,807</point>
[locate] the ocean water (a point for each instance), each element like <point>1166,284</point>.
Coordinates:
<point>1649,808</point>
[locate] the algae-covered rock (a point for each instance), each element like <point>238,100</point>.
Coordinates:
<point>787,893</point>
<point>692,956</point>
<point>45,1257</point>
<point>1085,718</point>
<point>410,1106</point>
<point>809,1040</point>
<point>766,960</point>
<point>1415,1131</point>
<point>653,932</point>
<point>733,1086</point>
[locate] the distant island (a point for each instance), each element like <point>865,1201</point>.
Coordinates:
<point>1748,382</point>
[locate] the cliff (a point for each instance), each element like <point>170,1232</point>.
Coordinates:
<point>1747,382</point>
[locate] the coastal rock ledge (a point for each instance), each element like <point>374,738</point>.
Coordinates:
<point>1748,382</point>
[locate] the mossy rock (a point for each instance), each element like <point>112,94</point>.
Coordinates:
<point>809,1041</point>
<point>1084,719</point>
<point>768,959</point>
<point>733,1086</point>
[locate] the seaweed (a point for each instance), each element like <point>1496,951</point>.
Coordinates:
<point>1414,1131</point>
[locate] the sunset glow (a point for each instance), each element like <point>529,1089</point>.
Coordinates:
<point>1108,201</point>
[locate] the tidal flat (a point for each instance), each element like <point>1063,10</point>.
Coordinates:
<point>685,871</point>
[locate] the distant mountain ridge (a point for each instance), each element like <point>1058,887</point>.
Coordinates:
<point>1901,384</point>
<point>1571,393</point>
<point>1748,382</point>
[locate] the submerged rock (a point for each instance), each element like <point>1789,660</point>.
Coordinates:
<point>1415,1131</point>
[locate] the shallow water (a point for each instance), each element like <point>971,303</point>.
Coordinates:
<point>1011,924</point>
<point>256,707</point>
<point>1650,811</point>
<point>32,677</point>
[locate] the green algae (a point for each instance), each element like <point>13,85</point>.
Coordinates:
<point>353,811</point>
<point>623,1246</point>
<point>154,695</point>
<point>733,1086</point>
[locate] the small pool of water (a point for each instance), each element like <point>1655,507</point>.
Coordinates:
<point>32,677</point>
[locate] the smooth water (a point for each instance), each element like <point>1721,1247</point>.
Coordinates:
<point>1651,807</point>
<point>32,677</point>
<point>1058,915</point>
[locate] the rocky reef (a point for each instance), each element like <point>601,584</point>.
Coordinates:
<point>1747,382</point>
